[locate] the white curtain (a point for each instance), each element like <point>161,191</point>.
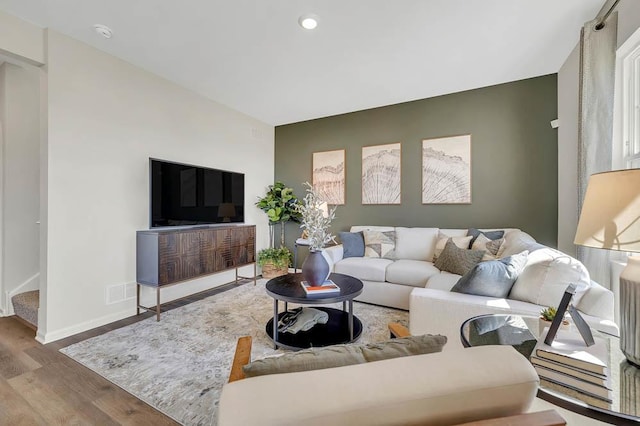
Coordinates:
<point>595,134</point>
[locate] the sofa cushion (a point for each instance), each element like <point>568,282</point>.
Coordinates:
<point>443,281</point>
<point>492,235</point>
<point>416,243</point>
<point>462,242</point>
<point>341,355</point>
<point>546,276</point>
<point>352,243</point>
<point>493,278</point>
<point>364,268</point>
<point>515,242</point>
<point>415,273</point>
<point>457,260</point>
<point>379,244</point>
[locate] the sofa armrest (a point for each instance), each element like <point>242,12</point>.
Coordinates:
<point>241,358</point>
<point>434,311</point>
<point>597,301</point>
<point>334,254</point>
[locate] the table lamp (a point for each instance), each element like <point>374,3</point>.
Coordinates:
<point>226,211</point>
<point>610,219</point>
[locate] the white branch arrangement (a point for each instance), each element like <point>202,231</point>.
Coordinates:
<point>316,219</point>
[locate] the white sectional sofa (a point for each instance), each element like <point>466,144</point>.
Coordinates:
<point>411,281</point>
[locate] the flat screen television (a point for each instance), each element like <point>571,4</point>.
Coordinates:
<point>183,194</point>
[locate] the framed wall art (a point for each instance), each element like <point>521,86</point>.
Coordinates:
<point>446,170</point>
<point>381,174</point>
<point>328,176</point>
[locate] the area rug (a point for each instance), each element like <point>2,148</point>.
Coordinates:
<point>179,365</point>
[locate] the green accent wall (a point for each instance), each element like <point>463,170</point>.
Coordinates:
<point>514,158</point>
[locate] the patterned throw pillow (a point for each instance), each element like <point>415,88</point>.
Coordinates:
<point>490,246</point>
<point>379,244</point>
<point>492,235</point>
<point>462,242</point>
<point>457,260</point>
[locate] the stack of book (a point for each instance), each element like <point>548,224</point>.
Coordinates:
<point>572,368</point>
<point>328,288</point>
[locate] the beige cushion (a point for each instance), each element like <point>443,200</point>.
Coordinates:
<point>416,243</point>
<point>364,268</point>
<point>410,272</point>
<point>458,260</point>
<point>379,244</point>
<point>441,388</point>
<point>462,242</point>
<point>341,355</point>
<point>546,276</point>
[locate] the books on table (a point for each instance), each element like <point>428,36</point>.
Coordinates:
<point>568,348</point>
<point>576,369</point>
<point>327,288</point>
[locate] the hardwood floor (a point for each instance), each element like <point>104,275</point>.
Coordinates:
<point>41,386</point>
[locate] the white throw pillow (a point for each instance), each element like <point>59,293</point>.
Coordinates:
<point>461,242</point>
<point>547,275</point>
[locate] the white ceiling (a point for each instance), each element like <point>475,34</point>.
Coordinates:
<point>253,56</point>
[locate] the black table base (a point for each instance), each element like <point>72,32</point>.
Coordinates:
<point>335,331</point>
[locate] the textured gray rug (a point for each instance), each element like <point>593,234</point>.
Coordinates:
<point>179,365</point>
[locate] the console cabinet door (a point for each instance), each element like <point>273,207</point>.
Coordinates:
<point>179,256</point>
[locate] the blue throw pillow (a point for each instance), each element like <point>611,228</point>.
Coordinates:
<point>352,244</point>
<point>492,235</point>
<point>493,278</point>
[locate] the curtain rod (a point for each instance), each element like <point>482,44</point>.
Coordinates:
<point>600,24</point>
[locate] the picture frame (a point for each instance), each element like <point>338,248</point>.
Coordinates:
<point>446,170</point>
<point>381,174</point>
<point>580,323</point>
<point>328,176</point>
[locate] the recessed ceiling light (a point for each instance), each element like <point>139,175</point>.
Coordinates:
<point>103,30</point>
<point>308,21</point>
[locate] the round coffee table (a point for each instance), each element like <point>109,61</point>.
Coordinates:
<point>522,332</point>
<point>342,326</point>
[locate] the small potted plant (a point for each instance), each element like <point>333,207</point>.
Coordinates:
<point>274,261</point>
<point>546,318</point>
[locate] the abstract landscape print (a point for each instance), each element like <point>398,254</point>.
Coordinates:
<point>446,170</point>
<point>328,176</point>
<point>381,174</point>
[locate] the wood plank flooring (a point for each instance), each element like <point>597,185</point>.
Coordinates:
<point>41,386</point>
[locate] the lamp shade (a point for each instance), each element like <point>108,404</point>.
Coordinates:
<point>610,216</point>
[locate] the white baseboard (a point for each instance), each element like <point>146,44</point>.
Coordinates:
<point>2,313</point>
<point>54,335</point>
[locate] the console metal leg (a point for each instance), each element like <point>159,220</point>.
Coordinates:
<point>344,306</point>
<point>158,303</point>
<point>137,299</point>
<point>275,323</point>
<point>295,258</point>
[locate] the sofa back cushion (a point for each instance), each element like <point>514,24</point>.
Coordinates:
<point>360,228</point>
<point>415,243</point>
<point>546,276</point>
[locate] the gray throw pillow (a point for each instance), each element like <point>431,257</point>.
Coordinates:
<point>341,355</point>
<point>475,233</point>
<point>457,260</point>
<point>352,244</point>
<point>493,278</point>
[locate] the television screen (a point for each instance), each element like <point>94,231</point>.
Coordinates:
<point>183,194</point>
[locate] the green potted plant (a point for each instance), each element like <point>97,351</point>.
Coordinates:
<point>274,261</point>
<point>280,205</point>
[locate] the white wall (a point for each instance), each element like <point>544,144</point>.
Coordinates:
<point>20,180</point>
<point>105,119</point>
<point>21,40</point>
<point>568,77</point>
